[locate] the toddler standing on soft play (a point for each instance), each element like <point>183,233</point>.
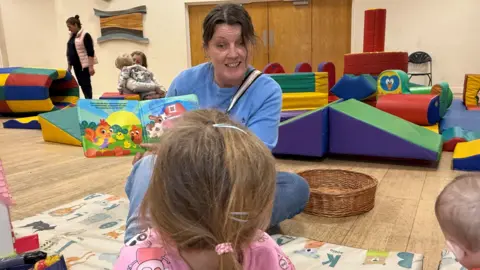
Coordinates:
<point>458,213</point>
<point>209,201</point>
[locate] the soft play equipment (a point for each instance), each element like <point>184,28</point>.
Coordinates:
<point>36,90</point>
<point>305,134</point>
<point>420,90</point>
<point>392,82</point>
<point>61,126</point>
<point>356,128</point>
<point>303,91</point>
<point>375,63</point>
<point>373,60</point>
<point>466,156</point>
<point>303,67</point>
<point>357,87</point>
<point>329,67</point>
<point>374,31</point>
<point>454,135</point>
<point>418,109</point>
<point>284,116</point>
<point>446,96</point>
<point>273,68</point>
<point>458,116</point>
<point>23,123</point>
<point>471,86</point>
<point>117,95</point>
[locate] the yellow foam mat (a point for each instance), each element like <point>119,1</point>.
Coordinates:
<point>52,133</point>
<point>433,128</point>
<point>20,106</point>
<point>467,149</point>
<point>471,90</point>
<point>61,73</point>
<point>304,101</point>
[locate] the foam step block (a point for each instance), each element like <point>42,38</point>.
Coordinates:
<point>357,87</point>
<point>304,135</point>
<point>466,156</point>
<point>374,63</point>
<point>304,101</point>
<point>359,129</point>
<point>23,123</point>
<point>61,126</point>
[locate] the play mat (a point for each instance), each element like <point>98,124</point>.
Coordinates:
<point>89,233</point>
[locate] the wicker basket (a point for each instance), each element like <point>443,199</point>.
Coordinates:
<point>339,193</point>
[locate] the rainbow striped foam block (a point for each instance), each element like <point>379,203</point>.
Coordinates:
<point>36,90</point>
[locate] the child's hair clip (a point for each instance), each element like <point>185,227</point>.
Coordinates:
<point>229,126</point>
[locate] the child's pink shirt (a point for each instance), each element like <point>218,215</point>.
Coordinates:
<point>145,251</point>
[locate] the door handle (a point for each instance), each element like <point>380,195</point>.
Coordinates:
<point>264,38</point>
<point>271,38</point>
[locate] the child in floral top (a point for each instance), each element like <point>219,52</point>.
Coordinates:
<point>209,201</point>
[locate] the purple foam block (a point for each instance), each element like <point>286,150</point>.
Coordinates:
<point>350,136</point>
<point>289,114</point>
<point>304,136</point>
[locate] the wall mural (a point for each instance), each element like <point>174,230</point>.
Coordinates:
<point>122,24</point>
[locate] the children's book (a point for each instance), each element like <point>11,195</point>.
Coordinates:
<point>118,127</point>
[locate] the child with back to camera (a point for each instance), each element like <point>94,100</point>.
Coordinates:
<point>458,212</point>
<point>137,79</point>
<point>209,202</point>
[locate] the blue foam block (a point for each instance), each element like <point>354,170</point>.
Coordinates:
<point>356,87</point>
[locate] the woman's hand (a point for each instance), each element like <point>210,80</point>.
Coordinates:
<point>91,70</point>
<point>150,149</point>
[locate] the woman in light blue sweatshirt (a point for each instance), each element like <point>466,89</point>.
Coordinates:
<point>228,36</point>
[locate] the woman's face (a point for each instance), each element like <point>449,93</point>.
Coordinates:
<point>137,59</point>
<point>72,28</point>
<point>228,55</point>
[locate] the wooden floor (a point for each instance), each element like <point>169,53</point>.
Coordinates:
<point>43,175</point>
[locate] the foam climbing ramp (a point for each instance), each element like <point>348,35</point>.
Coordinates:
<point>466,156</point>
<point>61,126</point>
<point>304,135</point>
<point>356,128</point>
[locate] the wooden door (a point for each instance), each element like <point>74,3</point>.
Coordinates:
<point>290,30</point>
<point>331,24</point>
<point>196,15</point>
<point>259,14</point>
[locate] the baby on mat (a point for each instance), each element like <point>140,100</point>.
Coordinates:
<point>209,201</point>
<point>458,212</point>
<point>137,79</point>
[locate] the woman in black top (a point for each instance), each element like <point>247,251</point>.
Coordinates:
<point>81,55</point>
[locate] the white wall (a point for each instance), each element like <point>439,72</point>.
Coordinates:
<point>447,30</point>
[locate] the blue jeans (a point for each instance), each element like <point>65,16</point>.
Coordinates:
<point>291,195</point>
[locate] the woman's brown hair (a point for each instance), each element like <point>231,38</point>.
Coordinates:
<point>75,21</point>
<point>143,56</point>
<point>213,182</point>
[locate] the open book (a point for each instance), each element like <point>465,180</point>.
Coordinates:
<point>118,127</point>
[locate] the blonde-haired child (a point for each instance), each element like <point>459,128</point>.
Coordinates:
<point>137,79</point>
<point>209,202</point>
<point>458,212</point>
